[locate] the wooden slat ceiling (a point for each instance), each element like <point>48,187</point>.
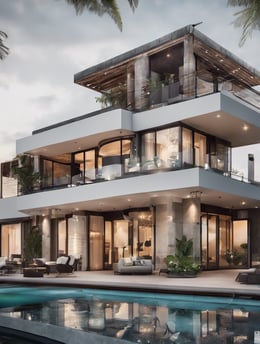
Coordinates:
<point>217,59</point>
<point>225,65</point>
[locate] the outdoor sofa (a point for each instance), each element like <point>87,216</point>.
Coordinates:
<point>252,276</point>
<point>134,266</point>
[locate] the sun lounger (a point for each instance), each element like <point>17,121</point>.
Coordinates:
<point>252,276</point>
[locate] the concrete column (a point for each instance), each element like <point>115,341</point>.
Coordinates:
<point>141,70</point>
<point>46,234</point>
<point>189,68</point>
<point>251,167</point>
<point>130,105</point>
<point>168,228</point>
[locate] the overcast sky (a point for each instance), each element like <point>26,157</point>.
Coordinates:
<point>49,43</point>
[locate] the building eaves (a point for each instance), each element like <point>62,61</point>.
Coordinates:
<point>132,54</point>
<point>112,72</point>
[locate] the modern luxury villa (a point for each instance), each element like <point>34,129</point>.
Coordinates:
<point>154,164</point>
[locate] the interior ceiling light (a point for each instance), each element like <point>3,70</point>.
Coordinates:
<point>245,127</point>
<point>243,202</point>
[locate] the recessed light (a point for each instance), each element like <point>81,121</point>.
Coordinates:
<point>243,202</point>
<point>245,127</point>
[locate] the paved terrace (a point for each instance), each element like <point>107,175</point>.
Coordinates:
<point>220,283</point>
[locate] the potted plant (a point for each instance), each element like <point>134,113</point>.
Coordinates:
<point>32,245</point>
<point>115,97</point>
<point>182,263</point>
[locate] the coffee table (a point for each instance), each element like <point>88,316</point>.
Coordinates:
<point>34,272</point>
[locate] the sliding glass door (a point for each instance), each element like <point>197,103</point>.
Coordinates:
<point>224,243</point>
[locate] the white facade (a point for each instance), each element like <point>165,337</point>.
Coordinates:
<point>131,180</point>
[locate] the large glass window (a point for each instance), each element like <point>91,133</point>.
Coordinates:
<point>61,174</point>
<point>10,240</point>
<point>55,173</point>
<point>122,245</point>
<point>142,232</point>
<point>132,164</point>
<point>9,185</point>
<point>84,167</point>
<point>160,149</point>
<point>96,242</point>
<point>111,160</point>
<point>108,244</point>
<point>200,149</point>
<point>90,170</point>
<point>114,155</point>
<point>187,147</point>
<point>219,155</point>
<point>47,173</point>
<point>62,237</point>
<point>167,147</point>
<point>148,151</point>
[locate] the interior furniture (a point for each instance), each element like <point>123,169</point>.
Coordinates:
<point>131,265</point>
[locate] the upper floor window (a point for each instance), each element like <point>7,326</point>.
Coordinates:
<point>160,149</point>
<point>178,147</point>
<point>115,157</point>
<point>9,185</point>
<point>56,173</point>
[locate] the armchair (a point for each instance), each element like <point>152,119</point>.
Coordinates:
<point>66,264</point>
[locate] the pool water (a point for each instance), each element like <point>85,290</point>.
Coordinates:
<point>137,317</point>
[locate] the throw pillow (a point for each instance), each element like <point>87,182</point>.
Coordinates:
<point>138,263</point>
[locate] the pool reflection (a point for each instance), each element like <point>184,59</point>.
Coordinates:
<point>148,323</point>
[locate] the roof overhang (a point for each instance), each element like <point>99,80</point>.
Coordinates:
<point>107,74</point>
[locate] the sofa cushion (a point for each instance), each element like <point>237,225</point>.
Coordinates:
<point>62,260</point>
<point>128,261</point>
<point>71,260</point>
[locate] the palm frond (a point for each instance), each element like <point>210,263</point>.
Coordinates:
<point>4,50</point>
<point>248,18</point>
<point>133,4</point>
<point>101,7</point>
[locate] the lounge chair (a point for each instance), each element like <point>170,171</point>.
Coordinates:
<point>66,264</point>
<point>252,276</point>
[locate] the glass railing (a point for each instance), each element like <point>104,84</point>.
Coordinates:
<point>192,87</point>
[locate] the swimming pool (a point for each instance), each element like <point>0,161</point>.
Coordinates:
<point>134,316</point>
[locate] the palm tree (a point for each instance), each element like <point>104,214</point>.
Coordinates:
<point>3,49</point>
<point>248,18</point>
<point>101,7</point>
